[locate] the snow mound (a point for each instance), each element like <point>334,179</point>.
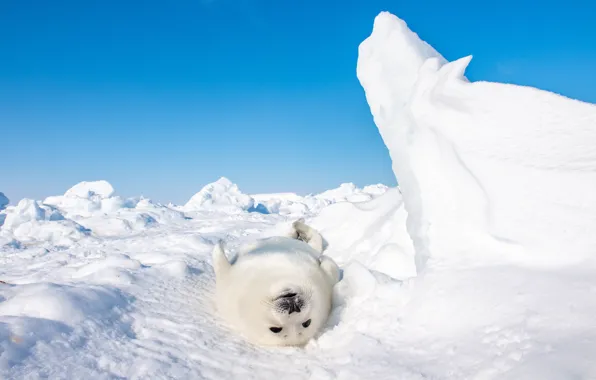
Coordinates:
<point>86,199</point>
<point>95,206</point>
<point>3,201</point>
<point>70,305</point>
<point>485,168</point>
<point>375,190</point>
<point>159,212</point>
<point>31,222</point>
<point>351,193</point>
<point>291,204</point>
<point>372,233</point>
<point>221,195</point>
<point>87,190</point>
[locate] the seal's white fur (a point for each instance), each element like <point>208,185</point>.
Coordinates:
<point>253,293</point>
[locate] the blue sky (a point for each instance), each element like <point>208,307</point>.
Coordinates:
<point>160,98</point>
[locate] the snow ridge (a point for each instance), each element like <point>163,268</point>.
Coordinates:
<point>221,195</point>
<point>478,162</point>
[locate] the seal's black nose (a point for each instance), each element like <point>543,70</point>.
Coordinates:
<point>294,307</point>
<point>291,302</point>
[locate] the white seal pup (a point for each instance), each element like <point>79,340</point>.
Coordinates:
<point>278,291</point>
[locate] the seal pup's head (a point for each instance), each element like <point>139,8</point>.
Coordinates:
<point>290,315</point>
<point>278,293</point>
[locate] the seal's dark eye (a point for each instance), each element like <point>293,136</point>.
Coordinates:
<point>276,330</point>
<point>306,324</point>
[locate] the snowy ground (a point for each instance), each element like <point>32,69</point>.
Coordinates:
<point>482,265</point>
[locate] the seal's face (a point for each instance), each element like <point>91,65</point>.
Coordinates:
<point>277,293</point>
<point>289,317</point>
<point>291,320</point>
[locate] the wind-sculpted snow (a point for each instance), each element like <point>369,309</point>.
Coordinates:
<point>221,195</point>
<point>32,222</point>
<point>294,204</point>
<point>372,233</point>
<point>490,166</point>
<point>498,184</point>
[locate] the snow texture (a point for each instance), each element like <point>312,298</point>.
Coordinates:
<point>87,190</point>
<point>293,204</point>
<point>498,182</point>
<point>138,305</point>
<point>479,266</point>
<point>500,167</point>
<point>221,195</point>
<point>31,222</point>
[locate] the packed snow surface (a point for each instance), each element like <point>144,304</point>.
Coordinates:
<point>481,265</point>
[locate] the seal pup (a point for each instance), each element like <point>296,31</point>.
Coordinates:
<point>278,291</point>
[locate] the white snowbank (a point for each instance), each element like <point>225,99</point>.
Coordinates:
<point>95,206</point>
<point>30,222</point>
<point>292,204</point>
<point>3,201</point>
<point>484,167</point>
<point>498,182</point>
<point>372,233</point>
<point>70,305</point>
<point>351,193</point>
<point>86,208</point>
<point>86,190</point>
<point>86,199</point>
<point>221,195</point>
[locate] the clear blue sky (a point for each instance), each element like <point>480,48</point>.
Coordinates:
<point>160,98</point>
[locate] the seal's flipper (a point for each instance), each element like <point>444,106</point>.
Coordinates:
<point>220,261</point>
<point>307,234</point>
<point>330,268</point>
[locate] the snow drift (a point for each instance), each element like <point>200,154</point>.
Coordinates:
<point>32,222</point>
<point>86,199</point>
<point>291,204</point>
<point>86,209</point>
<point>221,195</point>
<point>484,167</point>
<point>372,233</point>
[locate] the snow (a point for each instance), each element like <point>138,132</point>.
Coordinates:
<point>349,192</point>
<point>30,221</point>
<point>291,204</point>
<point>498,166</point>
<point>498,183</point>
<point>87,190</point>
<point>221,195</point>
<point>480,265</point>
<point>377,234</point>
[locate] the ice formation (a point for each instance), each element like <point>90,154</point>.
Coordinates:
<point>221,195</point>
<point>372,233</point>
<point>294,204</point>
<point>485,168</point>
<point>32,222</point>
